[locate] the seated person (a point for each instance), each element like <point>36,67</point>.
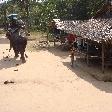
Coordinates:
<point>71,38</point>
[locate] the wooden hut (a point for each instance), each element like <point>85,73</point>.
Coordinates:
<point>96,31</point>
<point>105,15</point>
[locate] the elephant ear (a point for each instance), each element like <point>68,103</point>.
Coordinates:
<point>8,35</point>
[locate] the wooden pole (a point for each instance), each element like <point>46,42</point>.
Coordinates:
<point>54,41</point>
<point>5,14</point>
<point>27,11</point>
<point>103,56</point>
<point>87,52</point>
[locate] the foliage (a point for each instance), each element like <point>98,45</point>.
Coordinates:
<point>38,14</point>
<point>1,31</point>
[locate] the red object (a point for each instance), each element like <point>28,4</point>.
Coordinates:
<point>71,37</point>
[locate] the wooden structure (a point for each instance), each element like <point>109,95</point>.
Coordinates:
<point>97,30</point>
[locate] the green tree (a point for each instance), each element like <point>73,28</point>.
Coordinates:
<point>38,14</point>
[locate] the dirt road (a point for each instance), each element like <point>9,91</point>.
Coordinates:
<point>46,83</point>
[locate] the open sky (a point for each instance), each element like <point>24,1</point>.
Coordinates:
<point>2,1</point>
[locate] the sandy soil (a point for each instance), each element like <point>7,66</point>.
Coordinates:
<point>47,83</point>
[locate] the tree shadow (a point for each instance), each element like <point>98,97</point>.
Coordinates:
<point>57,51</point>
<point>103,86</point>
<point>8,62</point>
<point>4,40</point>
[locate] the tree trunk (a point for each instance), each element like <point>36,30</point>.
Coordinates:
<point>27,14</point>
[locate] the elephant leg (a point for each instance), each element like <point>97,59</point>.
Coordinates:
<point>22,55</point>
<point>10,46</point>
<point>16,51</point>
<point>16,54</point>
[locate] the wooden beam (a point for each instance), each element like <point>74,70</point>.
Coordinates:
<point>54,41</point>
<point>103,56</point>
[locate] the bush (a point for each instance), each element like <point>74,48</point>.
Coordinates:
<point>2,31</point>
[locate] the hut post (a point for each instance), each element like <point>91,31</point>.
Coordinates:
<point>54,41</point>
<point>103,56</point>
<point>87,53</point>
<point>47,37</point>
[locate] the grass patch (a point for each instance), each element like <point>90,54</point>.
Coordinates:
<point>36,35</point>
<point>35,38</point>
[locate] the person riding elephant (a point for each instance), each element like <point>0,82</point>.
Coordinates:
<point>15,34</point>
<point>15,24</point>
<point>13,29</point>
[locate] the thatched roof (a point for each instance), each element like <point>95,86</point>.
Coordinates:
<point>94,29</point>
<point>98,28</point>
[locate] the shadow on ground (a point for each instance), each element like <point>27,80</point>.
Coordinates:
<point>103,86</point>
<point>83,74</point>
<point>6,63</point>
<point>57,51</point>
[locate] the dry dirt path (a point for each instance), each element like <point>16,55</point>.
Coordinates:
<point>46,83</point>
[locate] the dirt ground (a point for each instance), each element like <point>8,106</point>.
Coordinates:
<point>47,83</point>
